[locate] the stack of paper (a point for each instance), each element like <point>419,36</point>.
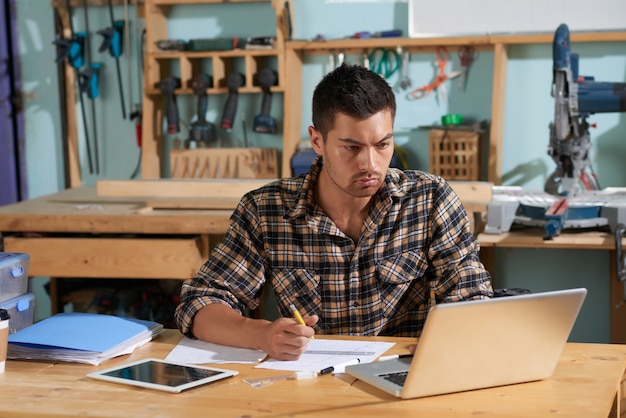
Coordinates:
<point>81,337</point>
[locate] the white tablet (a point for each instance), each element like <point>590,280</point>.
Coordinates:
<point>162,375</point>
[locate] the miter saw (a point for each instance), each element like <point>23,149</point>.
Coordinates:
<point>572,197</point>
<point>576,97</point>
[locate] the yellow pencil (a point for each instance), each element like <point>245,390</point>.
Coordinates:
<point>298,317</point>
<point>433,299</point>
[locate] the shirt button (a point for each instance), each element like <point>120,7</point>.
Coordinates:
<point>355,304</point>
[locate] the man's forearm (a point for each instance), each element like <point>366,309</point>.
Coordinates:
<point>221,324</point>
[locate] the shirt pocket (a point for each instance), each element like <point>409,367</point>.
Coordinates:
<point>298,286</point>
<point>397,276</point>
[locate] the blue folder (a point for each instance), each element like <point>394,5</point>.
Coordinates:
<point>83,331</point>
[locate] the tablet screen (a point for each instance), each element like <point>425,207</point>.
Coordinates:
<point>158,374</point>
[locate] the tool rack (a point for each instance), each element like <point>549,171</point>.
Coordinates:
<point>159,64</point>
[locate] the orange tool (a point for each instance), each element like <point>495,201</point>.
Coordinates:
<point>440,78</point>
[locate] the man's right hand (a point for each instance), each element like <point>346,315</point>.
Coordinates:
<point>286,339</point>
<point>283,339</point>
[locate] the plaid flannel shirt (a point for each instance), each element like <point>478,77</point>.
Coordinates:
<point>415,239</point>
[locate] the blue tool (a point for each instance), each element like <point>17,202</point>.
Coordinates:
<point>72,49</point>
<point>90,80</point>
<point>576,97</point>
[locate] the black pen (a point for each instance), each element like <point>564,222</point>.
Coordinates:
<point>395,356</point>
<point>339,368</point>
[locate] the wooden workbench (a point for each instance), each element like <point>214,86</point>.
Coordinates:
<point>79,234</point>
<point>586,383</point>
<point>586,240</point>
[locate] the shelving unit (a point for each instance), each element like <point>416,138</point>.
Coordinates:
<point>288,58</point>
<point>296,50</point>
<point>158,64</point>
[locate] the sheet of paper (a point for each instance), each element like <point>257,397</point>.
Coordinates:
<point>200,352</point>
<point>321,354</point>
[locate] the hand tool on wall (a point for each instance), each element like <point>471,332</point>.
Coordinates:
<point>89,82</point>
<point>201,130</point>
<point>467,55</point>
<point>264,123</point>
<point>233,82</point>
<point>167,87</point>
<point>112,41</point>
<point>385,62</point>
<point>73,50</point>
<point>404,82</point>
<point>440,79</point>
<point>128,51</point>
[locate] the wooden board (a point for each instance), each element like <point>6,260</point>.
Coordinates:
<point>473,191</point>
<point>150,258</point>
<point>191,203</point>
<point>190,188</point>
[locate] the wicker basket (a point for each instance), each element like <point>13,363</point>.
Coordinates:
<point>454,154</point>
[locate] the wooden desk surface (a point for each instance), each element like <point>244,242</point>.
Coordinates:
<point>81,210</point>
<point>584,385</point>
<point>533,238</point>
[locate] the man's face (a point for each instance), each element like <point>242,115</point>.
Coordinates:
<point>356,153</point>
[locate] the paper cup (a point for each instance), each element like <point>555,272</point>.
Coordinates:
<point>4,338</point>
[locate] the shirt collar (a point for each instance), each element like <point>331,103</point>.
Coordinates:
<point>392,189</point>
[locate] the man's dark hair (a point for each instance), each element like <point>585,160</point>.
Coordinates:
<point>352,90</point>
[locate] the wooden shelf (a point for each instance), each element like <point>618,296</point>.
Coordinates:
<point>295,50</point>
<point>182,2</point>
<point>427,44</point>
<point>186,64</point>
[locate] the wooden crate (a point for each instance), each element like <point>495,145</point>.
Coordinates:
<point>454,154</point>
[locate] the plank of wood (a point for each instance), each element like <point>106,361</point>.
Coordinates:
<point>150,258</point>
<point>160,188</point>
<point>473,191</point>
<point>191,203</point>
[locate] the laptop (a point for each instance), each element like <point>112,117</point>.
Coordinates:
<point>479,344</point>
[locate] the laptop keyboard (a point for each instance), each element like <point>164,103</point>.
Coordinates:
<point>396,377</point>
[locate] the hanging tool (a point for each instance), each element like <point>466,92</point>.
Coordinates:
<point>404,82</point>
<point>89,82</point>
<point>440,79</point>
<point>384,62</point>
<point>128,51</point>
<point>467,55</point>
<point>112,41</point>
<point>137,114</point>
<point>201,130</point>
<point>72,50</point>
<point>167,86</point>
<point>265,123</point>
<point>233,82</point>
<point>245,131</point>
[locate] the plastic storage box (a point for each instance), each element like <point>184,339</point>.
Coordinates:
<point>13,274</point>
<point>22,311</point>
<point>301,161</point>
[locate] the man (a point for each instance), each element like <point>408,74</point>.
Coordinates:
<point>357,247</point>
